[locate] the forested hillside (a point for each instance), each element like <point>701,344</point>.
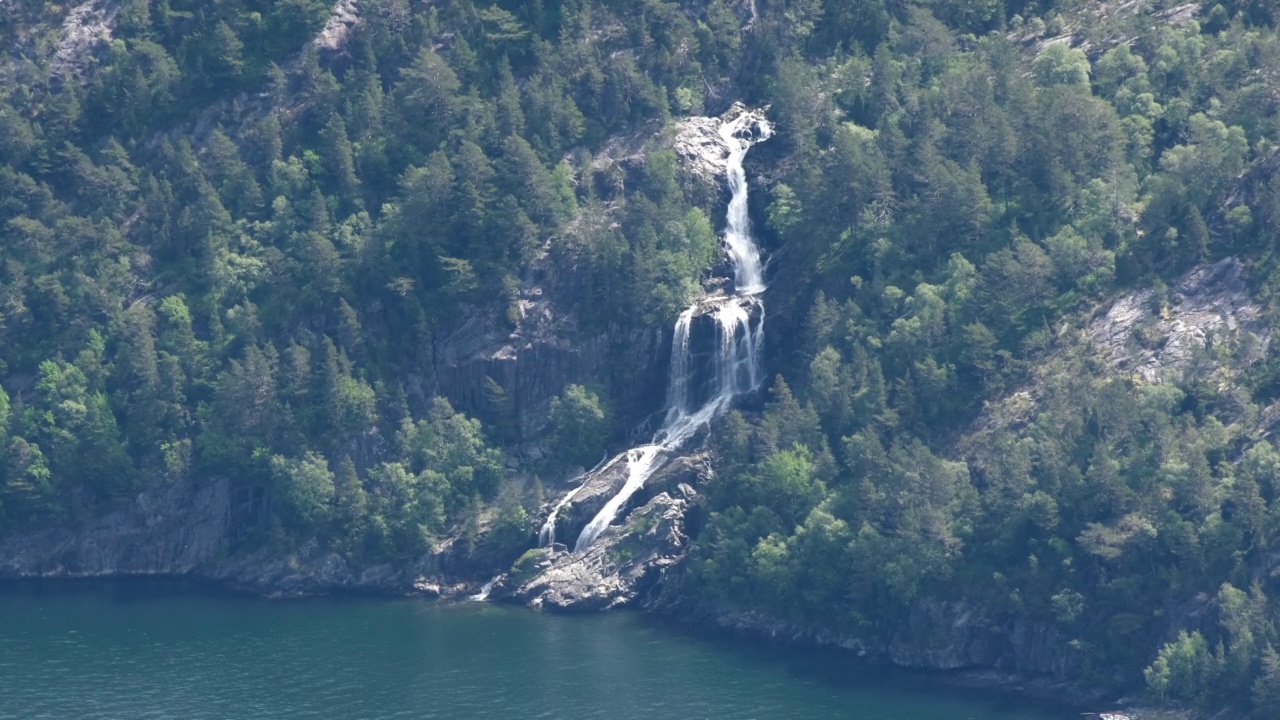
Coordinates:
<point>234,233</point>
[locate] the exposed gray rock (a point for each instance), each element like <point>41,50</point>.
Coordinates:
<point>943,636</point>
<point>1180,15</point>
<point>172,529</point>
<point>343,19</point>
<point>677,477</point>
<point>544,354</point>
<point>979,649</point>
<point>540,348</point>
<point>628,559</point>
<point>621,565</point>
<point>703,152</point>
<point>86,27</point>
<point>594,491</point>
<point>189,529</point>
<point>1209,307</point>
<point>625,153</point>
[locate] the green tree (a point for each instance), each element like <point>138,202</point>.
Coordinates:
<point>579,426</point>
<point>1061,64</point>
<point>305,490</point>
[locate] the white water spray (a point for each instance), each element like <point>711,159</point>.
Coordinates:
<point>739,327</point>
<point>748,276</point>
<point>485,589</point>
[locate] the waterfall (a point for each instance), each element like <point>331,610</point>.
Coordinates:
<point>739,332</point>
<point>547,535</point>
<point>748,276</point>
<point>640,463</point>
<point>487,588</point>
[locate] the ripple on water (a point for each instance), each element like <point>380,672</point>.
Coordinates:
<point>81,652</point>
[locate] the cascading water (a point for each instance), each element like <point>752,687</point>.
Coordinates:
<point>739,329</point>
<point>748,276</point>
<point>547,535</point>
<point>483,595</point>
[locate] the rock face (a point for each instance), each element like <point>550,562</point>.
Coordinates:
<point>87,27</point>
<point>587,500</point>
<point>935,635</point>
<point>616,569</point>
<point>342,20</point>
<point>546,349</point>
<point>704,153</point>
<point>956,635</point>
<point>189,529</point>
<point>629,559</point>
<point>544,353</point>
<point>173,530</point>
<point>1209,307</point>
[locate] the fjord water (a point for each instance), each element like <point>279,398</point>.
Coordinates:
<point>145,650</point>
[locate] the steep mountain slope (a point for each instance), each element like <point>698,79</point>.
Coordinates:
<point>302,295</point>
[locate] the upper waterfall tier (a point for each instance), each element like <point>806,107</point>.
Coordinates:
<point>740,135</point>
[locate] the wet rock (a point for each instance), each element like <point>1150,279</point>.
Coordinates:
<point>624,563</point>
<point>629,559</point>
<point>427,588</point>
<point>675,476</point>
<point>593,492</point>
<point>702,151</point>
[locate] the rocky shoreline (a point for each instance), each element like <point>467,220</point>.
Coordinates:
<point>182,531</point>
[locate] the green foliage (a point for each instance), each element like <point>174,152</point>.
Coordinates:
<point>1061,64</point>
<point>580,426</point>
<point>306,490</point>
<point>227,251</point>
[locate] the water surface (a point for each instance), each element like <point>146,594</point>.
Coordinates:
<point>142,650</point>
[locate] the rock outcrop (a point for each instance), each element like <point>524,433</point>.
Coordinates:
<point>192,528</point>
<point>173,529</point>
<point>618,568</point>
<point>544,353</point>
<point>344,18</point>
<point>86,28</point>
<point>629,559</point>
<point>533,358</point>
<point>582,503</point>
<point>704,153</point>
<point>1154,337</point>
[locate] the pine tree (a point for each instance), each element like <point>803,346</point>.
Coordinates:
<point>507,103</point>
<point>351,503</point>
<point>499,411</point>
<point>341,162</point>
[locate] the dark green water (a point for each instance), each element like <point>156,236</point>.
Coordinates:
<point>140,650</point>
